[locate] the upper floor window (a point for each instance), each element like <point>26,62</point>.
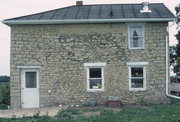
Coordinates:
<point>136,36</point>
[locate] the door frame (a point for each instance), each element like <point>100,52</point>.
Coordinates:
<point>23,77</point>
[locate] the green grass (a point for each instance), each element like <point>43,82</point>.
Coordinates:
<point>157,113</point>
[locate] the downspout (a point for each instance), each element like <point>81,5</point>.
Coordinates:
<point>167,63</point>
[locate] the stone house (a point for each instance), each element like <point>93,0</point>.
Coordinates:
<point>84,53</point>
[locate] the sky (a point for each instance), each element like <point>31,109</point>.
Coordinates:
<point>15,8</point>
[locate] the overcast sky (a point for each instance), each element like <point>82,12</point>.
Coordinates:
<point>15,8</point>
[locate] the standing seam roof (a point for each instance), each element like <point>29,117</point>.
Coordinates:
<point>101,11</point>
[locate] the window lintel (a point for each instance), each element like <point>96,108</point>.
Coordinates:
<point>95,64</point>
<point>137,63</point>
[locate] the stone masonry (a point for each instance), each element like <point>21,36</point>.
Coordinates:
<point>61,51</point>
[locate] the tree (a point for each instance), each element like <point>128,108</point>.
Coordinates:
<point>4,79</point>
<point>177,8</point>
<point>175,50</point>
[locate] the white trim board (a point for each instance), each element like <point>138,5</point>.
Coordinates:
<point>74,21</point>
<point>137,63</point>
<point>29,67</point>
<point>94,64</point>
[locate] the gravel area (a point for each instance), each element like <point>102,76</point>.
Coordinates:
<point>175,87</point>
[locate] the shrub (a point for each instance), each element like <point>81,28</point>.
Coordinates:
<point>5,93</point>
<point>3,107</point>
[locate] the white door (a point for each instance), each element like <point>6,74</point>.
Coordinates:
<point>30,88</point>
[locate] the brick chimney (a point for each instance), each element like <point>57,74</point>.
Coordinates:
<point>79,3</point>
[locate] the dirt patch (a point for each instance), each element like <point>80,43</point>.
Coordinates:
<point>175,87</point>
<point>116,109</point>
<point>50,111</point>
<point>92,111</point>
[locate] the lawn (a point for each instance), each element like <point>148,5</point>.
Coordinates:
<point>153,113</point>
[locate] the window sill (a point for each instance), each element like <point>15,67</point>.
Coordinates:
<point>141,48</point>
<point>95,90</point>
<point>137,90</point>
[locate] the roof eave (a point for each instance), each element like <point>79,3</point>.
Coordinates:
<point>76,21</point>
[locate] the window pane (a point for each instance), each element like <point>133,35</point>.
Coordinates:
<point>131,42</point>
<point>140,42</point>
<point>136,83</point>
<point>135,42</point>
<point>30,79</point>
<point>95,83</point>
<point>95,73</point>
<point>138,30</point>
<point>137,72</point>
<point>132,29</point>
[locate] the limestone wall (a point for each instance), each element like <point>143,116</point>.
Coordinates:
<point>62,50</point>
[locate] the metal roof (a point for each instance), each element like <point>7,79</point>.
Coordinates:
<point>96,13</point>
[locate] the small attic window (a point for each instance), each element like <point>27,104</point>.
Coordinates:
<point>136,36</point>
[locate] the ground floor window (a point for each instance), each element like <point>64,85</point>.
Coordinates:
<point>95,76</point>
<point>30,79</point>
<point>137,75</point>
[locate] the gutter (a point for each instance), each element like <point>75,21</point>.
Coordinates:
<point>76,21</point>
<point>167,63</point>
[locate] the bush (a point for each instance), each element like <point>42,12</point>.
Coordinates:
<point>4,79</point>
<point>3,107</point>
<point>4,94</point>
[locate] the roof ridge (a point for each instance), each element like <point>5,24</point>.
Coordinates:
<point>118,4</point>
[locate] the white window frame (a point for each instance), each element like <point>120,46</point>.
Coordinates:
<point>137,64</point>
<point>95,65</point>
<point>129,35</point>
